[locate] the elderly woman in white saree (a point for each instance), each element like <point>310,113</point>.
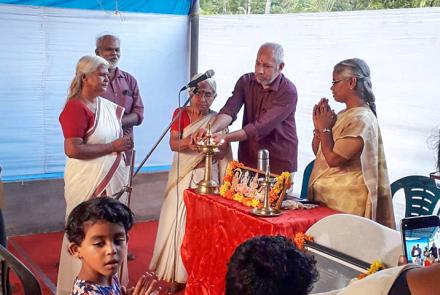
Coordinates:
<point>166,261</point>
<point>350,174</point>
<point>94,145</point>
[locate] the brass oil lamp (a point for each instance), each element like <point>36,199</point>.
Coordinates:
<point>209,148</point>
<point>267,182</point>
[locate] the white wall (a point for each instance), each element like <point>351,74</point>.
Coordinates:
<point>401,47</point>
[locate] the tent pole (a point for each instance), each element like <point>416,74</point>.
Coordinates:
<point>194,37</point>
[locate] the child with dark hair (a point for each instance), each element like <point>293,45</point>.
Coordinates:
<point>268,265</point>
<point>97,230</point>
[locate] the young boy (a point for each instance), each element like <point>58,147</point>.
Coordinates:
<point>98,232</point>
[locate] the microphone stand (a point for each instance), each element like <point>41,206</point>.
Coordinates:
<point>128,187</point>
<point>149,155</point>
<point>162,135</point>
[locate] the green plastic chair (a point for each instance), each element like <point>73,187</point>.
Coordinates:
<point>306,176</point>
<point>28,280</point>
<point>421,194</point>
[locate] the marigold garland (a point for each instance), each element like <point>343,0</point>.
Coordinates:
<point>226,190</point>
<point>300,240</point>
<point>374,267</point>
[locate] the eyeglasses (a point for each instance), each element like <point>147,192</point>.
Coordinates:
<point>340,80</point>
<point>204,94</point>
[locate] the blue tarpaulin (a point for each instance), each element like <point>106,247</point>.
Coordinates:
<point>180,7</point>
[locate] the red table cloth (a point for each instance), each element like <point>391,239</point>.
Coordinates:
<point>216,226</point>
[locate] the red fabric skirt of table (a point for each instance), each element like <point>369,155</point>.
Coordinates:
<point>216,226</point>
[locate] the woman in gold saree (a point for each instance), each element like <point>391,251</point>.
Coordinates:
<point>350,174</point>
<point>188,167</point>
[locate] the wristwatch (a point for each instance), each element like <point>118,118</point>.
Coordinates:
<point>326,130</point>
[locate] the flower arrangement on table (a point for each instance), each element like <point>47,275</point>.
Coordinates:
<point>241,184</point>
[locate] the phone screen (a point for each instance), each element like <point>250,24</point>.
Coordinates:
<point>421,239</point>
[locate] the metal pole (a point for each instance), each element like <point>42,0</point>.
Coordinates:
<point>194,37</point>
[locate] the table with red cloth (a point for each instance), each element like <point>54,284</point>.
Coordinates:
<point>216,226</point>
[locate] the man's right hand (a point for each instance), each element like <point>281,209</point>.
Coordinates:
<point>220,138</point>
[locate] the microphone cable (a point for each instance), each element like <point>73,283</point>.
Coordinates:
<point>175,243</point>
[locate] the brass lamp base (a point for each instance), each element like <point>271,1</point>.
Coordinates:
<point>266,212</point>
<point>207,187</point>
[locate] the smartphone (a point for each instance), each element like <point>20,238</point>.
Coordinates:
<point>421,239</point>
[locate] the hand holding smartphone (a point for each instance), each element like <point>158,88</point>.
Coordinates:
<point>421,239</point>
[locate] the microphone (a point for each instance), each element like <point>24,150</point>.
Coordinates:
<point>208,74</point>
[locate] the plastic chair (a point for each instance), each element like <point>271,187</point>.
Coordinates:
<point>28,280</point>
<point>305,181</point>
<point>358,237</point>
<point>421,194</point>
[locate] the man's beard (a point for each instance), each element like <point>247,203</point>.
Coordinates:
<point>113,65</point>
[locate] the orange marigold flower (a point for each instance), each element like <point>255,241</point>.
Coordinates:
<point>300,239</point>
<point>361,276</point>
<point>228,178</point>
<point>247,202</point>
<point>235,164</point>
<point>229,194</point>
